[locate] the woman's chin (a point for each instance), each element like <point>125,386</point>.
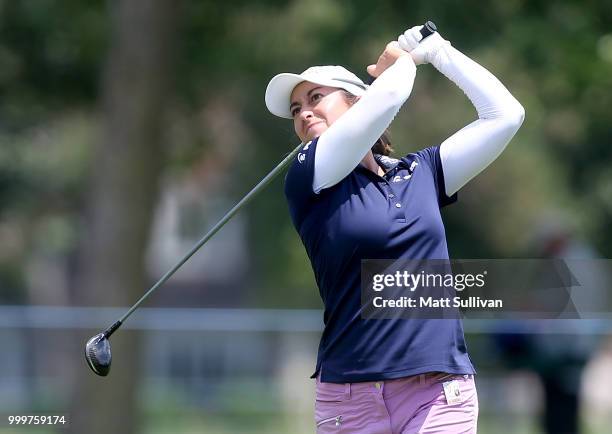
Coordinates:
<point>315,132</point>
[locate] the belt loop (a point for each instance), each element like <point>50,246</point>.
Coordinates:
<point>422,379</point>
<point>347,391</point>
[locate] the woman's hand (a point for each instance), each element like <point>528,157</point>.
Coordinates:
<point>392,52</point>
<point>421,50</point>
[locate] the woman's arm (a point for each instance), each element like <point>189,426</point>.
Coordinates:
<point>346,142</point>
<point>467,152</point>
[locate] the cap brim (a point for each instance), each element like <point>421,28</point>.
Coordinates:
<point>279,91</point>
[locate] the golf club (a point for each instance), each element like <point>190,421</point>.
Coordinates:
<point>97,349</point>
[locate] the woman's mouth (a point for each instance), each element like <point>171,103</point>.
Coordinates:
<point>312,125</point>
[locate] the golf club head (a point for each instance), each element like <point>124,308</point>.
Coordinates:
<point>98,354</point>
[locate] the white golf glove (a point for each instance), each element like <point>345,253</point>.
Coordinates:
<point>422,52</point>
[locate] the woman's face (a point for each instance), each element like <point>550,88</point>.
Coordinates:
<point>314,108</point>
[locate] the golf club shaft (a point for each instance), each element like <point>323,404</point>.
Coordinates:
<point>265,181</point>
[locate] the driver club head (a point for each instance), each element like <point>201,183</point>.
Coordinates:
<point>98,354</point>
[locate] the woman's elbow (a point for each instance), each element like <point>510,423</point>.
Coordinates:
<point>513,117</point>
<point>519,114</point>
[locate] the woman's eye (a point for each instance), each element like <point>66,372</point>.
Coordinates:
<point>295,111</point>
<point>316,96</point>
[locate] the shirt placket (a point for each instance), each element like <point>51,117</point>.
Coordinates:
<point>393,197</point>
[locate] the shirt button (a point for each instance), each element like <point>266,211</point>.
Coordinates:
<point>391,195</point>
<point>377,385</point>
<point>398,205</point>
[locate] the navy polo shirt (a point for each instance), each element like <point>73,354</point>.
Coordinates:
<point>366,216</point>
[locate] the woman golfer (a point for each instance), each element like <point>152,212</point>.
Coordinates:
<point>350,201</point>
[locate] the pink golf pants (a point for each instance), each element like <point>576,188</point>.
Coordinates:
<point>409,405</point>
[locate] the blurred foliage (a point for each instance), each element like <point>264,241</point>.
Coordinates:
<point>555,56</point>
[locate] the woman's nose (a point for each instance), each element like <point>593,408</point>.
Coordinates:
<point>306,114</point>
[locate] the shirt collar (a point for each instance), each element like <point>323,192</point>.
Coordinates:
<point>387,163</point>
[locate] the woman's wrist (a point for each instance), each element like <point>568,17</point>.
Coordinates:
<point>388,58</point>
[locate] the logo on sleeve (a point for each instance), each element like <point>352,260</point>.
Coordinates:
<point>302,156</point>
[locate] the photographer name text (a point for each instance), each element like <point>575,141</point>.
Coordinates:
<point>433,302</point>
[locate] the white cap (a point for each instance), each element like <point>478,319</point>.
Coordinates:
<point>278,92</point>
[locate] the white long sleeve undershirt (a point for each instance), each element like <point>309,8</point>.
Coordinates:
<point>467,152</point>
<point>464,154</point>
